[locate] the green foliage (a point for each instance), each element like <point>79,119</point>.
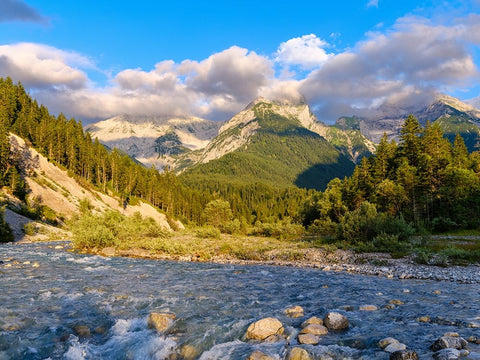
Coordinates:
<point>217,213</point>
<point>29,229</point>
<point>6,234</point>
<point>283,229</point>
<point>112,229</point>
<point>207,232</point>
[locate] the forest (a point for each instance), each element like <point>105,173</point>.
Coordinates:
<point>423,183</point>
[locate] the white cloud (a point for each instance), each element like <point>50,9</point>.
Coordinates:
<point>372,3</point>
<point>42,66</point>
<point>405,63</point>
<point>306,51</point>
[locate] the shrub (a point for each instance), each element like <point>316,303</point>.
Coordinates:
<point>112,228</point>
<point>365,224</point>
<point>281,229</point>
<point>29,228</point>
<point>207,232</point>
<point>6,234</point>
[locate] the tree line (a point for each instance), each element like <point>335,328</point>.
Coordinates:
<point>423,181</point>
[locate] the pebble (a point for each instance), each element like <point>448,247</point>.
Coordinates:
<point>368,308</point>
<point>308,339</point>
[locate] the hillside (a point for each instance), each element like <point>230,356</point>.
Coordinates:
<point>270,143</point>
<point>61,195</point>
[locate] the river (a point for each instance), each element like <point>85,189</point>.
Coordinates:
<point>49,294</point>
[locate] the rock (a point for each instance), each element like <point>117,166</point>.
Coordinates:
<point>160,321</point>
<point>82,331</point>
<point>294,312</point>
<point>387,341</point>
<point>264,328</point>
<point>451,334</point>
<point>297,353</point>
<point>258,355</point>
<point>404,355</point>
<point>437,292</point>
<point>368,308</point>
<point>447,354</point>
<point>335,321</point>
<point>388,306</point>
<point>396,302</point>
<point>474,339</point>
<point>308,339</point>
<point>394,347</point>
<point>190,352</point>
<point>108,251</point>
<point>314,329</point>
<point>312,320</point>
<point>424,319</point>
<point>449,342</point>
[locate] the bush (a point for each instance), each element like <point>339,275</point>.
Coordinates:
<point>112,229</point>
<point>280,229</point>
<point>207,232</point>
<point>365,224</point>
<point>217,213</point>
<point>29,229</point>
<point>6,234</point>
<point>441,224</point>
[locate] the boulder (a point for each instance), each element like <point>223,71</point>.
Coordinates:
<point>297,353</point>
<point>424,319</point>
<point>449,342</point>
<point>387,341</point>
<point>264,328</point>
<point>394,347</point>
<point>190,352</point>
<point>447,354</point>
<point>335,321</point>
<point>308,339</point>
<point>396,302</point>
<point>404,355</point>
<point>314,329</point>
<point>294,311</point>
<point>474,340</point>
<point>368,308</point>
<point>258,355</point>
<point>160,321</point>
<point>82,331</point>
<point>312,320</point>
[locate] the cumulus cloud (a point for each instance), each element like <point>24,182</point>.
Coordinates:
<point>404,65</point>
<point>42,66</point>
<point>18,10</point>
<point>413,56</point>
<point>306,51</point>
<point>234,73</point>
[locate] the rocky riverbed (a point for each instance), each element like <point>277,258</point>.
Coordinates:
<point>59,304</point>
<point>367,264</point>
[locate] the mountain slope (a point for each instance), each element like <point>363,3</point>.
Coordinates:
<point>154,140</point>
<point>270,143</point>
<point>453,115</point>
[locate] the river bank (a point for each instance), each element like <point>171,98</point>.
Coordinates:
<point>377,264</point>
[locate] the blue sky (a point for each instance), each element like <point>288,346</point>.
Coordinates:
<point>96,59</point>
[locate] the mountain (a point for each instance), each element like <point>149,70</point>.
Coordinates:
<point>154,140</point>
<point>453,115</point>
<point>275,143</point>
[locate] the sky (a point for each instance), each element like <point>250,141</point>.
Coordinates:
<point>93,60</point>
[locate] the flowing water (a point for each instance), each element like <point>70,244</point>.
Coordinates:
<point>47,294</point>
